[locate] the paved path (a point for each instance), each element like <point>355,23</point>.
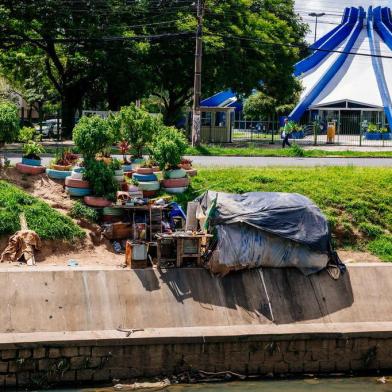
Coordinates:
<point>212,161</point>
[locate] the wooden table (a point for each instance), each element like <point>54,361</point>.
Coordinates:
<point>181,253</point>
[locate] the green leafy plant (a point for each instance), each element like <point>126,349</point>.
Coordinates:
<point>81,211</point>
<point>137,127</point>
<point>383,130</point>
<point>92,136</point>
<point>32,150</point>
<point>297,151</point>
<point>26,134</point>
<point>167,147</point>
<point>9,122</point>
<point>116,164</point>
<point>372,128</point>
<point>101,178</point>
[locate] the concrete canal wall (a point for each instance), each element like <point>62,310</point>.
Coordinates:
<point>60,325</point>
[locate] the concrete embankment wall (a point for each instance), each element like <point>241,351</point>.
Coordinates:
<point>60,326</point>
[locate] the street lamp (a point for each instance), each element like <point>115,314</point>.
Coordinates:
<point>316,15</point>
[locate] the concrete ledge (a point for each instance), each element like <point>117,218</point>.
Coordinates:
<point>243,333</point>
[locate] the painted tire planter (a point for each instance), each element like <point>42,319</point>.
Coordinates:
<point>27,169</point>
<point>144,170</point>
<point>177,173</point>
<point>77,192</point>
<point>378,135</point>
<point>127,168</point>
<point>57,174</point>
<point>149,186</point>
<point>128,174</point>
<point>31,162</point>
<point>156,169</point>
<point>119,178</point>
<point>138,161</point>
<point>133,188</point>
<point>175,182</point>
<point>94,201</point>
<point>144,177</point>
<point>62,168</point>
<point>75,183</point>
<point>192,172</point>
<point>78,173</point>
<point>175,190</point>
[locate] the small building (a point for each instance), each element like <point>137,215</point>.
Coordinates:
<point>217,117</point>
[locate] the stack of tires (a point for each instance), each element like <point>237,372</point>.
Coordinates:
<point>112,214</point>
<point>30,166</point>
<point>75,185</point>
<point>58,172</point>
<point>175,181</point>
<point>147,181</point>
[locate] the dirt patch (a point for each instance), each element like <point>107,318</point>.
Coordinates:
<point>58,252</point>
<point>349,256</point>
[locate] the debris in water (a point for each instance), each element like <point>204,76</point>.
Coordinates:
<point>155,386</point>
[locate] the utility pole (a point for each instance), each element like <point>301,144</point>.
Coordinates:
<point>316,15</point>
<point>196,117</point>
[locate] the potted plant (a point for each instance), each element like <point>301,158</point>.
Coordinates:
<point>64,160</point>
<point>124,147</point>
<point>118,170</point>
<point>102,182</point>
<point>186,164</point>
<point>375,133</point>
<point>167,148</point>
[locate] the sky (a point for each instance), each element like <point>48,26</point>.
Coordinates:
<point>333,9</point>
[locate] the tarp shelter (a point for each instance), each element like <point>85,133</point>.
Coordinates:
<point>267,229</point>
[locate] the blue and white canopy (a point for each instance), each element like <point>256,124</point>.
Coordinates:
<point>335,74</point>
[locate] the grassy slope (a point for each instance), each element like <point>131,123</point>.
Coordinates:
<point>47,222</point>
<point>280,152</point>
<point>357,201</point>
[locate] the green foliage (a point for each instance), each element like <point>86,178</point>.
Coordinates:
<point>81,211</point>
<point>168,146</point>
<point>9,122</point>
<point>136,126</point>
<point>43,219</point>
<point>357,201</point>
<point>92,135</point>
<point>296,150</point>
<point>372,128</point>
<point>33,149</point>
<point>26,134</point>
<point>101,178</point>
<point>259,105</point>
<point>116,164</point>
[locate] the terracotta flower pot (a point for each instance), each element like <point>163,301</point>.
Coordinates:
<point>75,183</point>
<point>94,201</point>
<point>144,170</point>
<point>192,172</point>
<point>175,182</point>
<point>61,167</point>
<point>27,169</point>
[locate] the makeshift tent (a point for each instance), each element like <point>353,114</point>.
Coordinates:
<point>267,229</point>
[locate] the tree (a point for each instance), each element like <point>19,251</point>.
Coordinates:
<point>65,41</point>
<point>245,46</point>
<point>9,122</point>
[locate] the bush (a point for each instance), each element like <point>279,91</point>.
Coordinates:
<point>9,122</point>
<point>137,127</point>
<point>26,134</point>
<point>92,135</point>
<point>297,151</point>
<point>168,146</point>
<point>81,211</point>
<point>101,178</point>
<point>32,150</point>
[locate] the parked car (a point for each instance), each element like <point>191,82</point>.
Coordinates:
<point>50,128</point>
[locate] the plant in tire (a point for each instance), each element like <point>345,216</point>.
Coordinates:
<point>168,147</point>
<point>101,178</point>
<point>92,136</point>
<point>32,150</point>
<point>9,122</point>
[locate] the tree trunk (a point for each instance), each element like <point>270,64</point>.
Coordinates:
<point>68,110</point>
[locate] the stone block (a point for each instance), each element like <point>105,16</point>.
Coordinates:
<point>107,351</point>
<point>317,345</point>
<point>25,353</point>
<point>8,354</point>
<point>357,364</point>
<point>93,362</point>
<point>121,373</point>
<point>311,366</point>
<point>3,367</point>
<point>10,380</point>
<point>296,367</point>
<point>101,375</point>
<point>293,356</point>
<point>46,364</point>
<point>54,353</point>
<point>39,352</point>
<point>2,381</point>
<point>78,363</point>
<point>296,345</point>
<point>327,366</point>
<point>320,355</point>
<point>84,374</point>
<point>68,376</point>
<point>342,365</point>
<point>85,351</point>
<point>281,367</point>
<point>23,378</point>
<point>69,352</point>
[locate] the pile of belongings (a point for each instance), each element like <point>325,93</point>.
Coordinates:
<point>266,229</point>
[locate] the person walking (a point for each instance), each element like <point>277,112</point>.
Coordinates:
<point>287,129</point>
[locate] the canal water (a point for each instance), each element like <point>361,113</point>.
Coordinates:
<point>357,384</point>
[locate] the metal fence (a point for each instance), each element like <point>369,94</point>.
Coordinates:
<point>350,131</point>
